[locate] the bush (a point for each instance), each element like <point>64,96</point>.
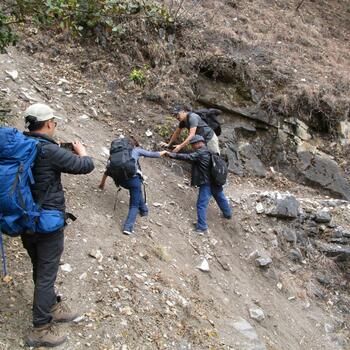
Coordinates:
<point>78,16</point>
<point>7,36</point>
<point>138,76</point>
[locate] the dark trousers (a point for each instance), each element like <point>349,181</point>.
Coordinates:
<point>45,250</point>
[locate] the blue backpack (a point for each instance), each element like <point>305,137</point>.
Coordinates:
<point>18,211</point>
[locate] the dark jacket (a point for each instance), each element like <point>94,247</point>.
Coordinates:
<point>201,161</point>
<point>51,161</point>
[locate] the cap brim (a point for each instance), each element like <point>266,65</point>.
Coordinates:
<point>57,117</point>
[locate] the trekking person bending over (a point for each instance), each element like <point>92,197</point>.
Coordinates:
<point>201,177</point>
<point>45,249</point>
<point>123,166</point>
<point>196,126</point>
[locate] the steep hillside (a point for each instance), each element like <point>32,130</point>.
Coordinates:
<point>278,274</point>
<point>146,292</point>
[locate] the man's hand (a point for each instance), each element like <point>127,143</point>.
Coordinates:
<point>79,149</point>
<point>177,149</point>
<point>164,144</point>
<point>163,153</point>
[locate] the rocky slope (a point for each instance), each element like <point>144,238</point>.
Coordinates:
<point>279,271</point>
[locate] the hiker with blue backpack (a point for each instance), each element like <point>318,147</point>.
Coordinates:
<point>209,173</point>
<point>32,205</point>
<point>203,123</point>
<point>124,168</point>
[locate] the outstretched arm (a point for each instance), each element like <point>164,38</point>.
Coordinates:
<point>192,157</point>
<point>187,140</point>
<point>174,136</point>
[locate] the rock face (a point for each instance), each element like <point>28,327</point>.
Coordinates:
<point>318,168</point>
<point>243,156</point>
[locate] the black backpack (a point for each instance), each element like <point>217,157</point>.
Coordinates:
<point>218,170</point>
<point>210,116</point>
<point>121,164</point>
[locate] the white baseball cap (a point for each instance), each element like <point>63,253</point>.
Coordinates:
<point>40,112</point>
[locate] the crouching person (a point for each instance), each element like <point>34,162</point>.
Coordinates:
<point>45,247</point>
<point>124,168</point>
<point>202,177</point>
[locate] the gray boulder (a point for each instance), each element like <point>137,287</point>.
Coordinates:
<point>280,205</point>
<point>323,216</point>
<point>320,169</point>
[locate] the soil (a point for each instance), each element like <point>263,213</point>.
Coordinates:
<point>145,291</point>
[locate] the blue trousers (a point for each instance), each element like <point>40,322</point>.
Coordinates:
<point>204,195</point>
<point>137,202</point>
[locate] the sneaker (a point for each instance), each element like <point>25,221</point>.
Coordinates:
<point>46,336</point>
<point>62,313</point>
<point>201,231</point>
<point>127,232</point>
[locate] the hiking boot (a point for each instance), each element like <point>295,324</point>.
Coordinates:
<point>143,213</point>
<point>62,313</point>
<point>46,336</point>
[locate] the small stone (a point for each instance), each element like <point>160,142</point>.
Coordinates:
<point>66,268</point>
<point>289,235</point>
<point>279,285</point>
<point>13,74</point>
<point>96,254</point>
<point>259,208</point>
<point>263,261</point>
<point>84,117</point>
<point>157,205</point>
<point>323,216</point>
<point>295,255</point>
<point>79,319</point>
<point>149,133</point>
<point>257,314</point>
<point>204,265</point>
<point>323,279</point>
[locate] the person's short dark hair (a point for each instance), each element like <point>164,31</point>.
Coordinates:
<point>134,141</point>
<point>179,108</point>
<point>32,124</point>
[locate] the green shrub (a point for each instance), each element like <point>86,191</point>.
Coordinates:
<point>7,36</point>
<point>138,76</point>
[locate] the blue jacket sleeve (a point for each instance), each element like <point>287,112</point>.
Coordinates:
<point>140,152</point>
